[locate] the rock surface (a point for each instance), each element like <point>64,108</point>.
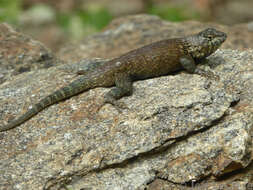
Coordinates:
<point>179,132</point>
<point>19,53</point>
<point>130,32</point>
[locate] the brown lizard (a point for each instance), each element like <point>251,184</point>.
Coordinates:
<point>153,60</point>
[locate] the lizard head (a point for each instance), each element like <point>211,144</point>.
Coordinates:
<point>205,43</point>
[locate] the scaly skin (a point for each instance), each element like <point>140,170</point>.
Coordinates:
<point>157,59</point>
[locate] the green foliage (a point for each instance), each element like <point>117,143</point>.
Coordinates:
<point>64,20</point>
<point>9,10</point>
<point>96,19</point>
<point>174,14</point>
<point>84,22</point>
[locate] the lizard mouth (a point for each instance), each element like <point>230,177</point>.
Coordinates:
<point>219,39</point>
<point>223,37</point>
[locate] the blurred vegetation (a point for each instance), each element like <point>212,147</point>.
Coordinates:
<point>9,10</point>
<point>80,22</point>
<point>97,18</point>
<point>94,20</point>
<point>172,13</point>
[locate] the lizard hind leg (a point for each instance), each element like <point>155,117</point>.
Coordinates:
<point>123,87</point>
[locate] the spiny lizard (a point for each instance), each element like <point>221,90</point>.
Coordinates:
<point>153,60</point>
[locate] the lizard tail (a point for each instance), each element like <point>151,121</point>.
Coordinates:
<point>72,89</point>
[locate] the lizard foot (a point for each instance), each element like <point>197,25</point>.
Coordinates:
<point>118,105</point>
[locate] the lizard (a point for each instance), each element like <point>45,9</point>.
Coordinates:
<point>153,60</point>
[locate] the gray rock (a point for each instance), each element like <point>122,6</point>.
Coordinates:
<point>181,128</point>
<point>19,53</point>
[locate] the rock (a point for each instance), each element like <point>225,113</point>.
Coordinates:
<point>229,185</point>
<point>19,53</point>
<point>180,131</point>
<point>188,131</point>
<point>130,32</point>
<point>236,12</point>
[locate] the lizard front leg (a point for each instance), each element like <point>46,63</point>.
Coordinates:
<point>189,65</point>
<point>123,87</point>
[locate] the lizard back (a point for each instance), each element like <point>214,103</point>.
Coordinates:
<point>159,58</point>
